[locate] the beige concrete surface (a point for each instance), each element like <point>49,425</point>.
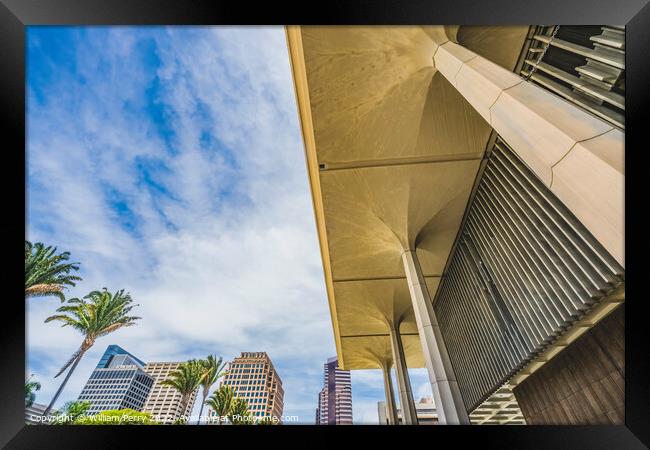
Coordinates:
<point>395,121</point>
<point>392,152</point>
<point>501,45</point>
<point>590,180</point>
<point>579,156</point>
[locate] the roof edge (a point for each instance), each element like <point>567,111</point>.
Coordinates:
<point>299,73</point>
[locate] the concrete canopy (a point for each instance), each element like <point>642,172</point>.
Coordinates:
<point>368,352</point>
<point>392,153</point>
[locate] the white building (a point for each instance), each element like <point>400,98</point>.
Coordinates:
<point>425,411</point>
<point>164,402</point>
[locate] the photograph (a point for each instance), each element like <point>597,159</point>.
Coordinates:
<point>317,224</point>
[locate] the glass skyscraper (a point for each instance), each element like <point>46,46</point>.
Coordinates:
<point>118,382</point>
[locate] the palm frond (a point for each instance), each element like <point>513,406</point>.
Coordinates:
<point>213,370</point>
<point>221,400</point>
<point>44,289</point>
<point>47,273</point>
<point>97,314</point>
<point>186,378</point>
<point>239,414</point>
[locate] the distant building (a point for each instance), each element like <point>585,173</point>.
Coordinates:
<point>253,377</point>
<point>164,402</point>
<point>425,411</point>
<point>32,413</point>
<point>118,382</point>
<point>321,409</point>
<point>335,399</point>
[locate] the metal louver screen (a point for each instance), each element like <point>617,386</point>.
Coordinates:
<point>524,270</point>
<point>582,64</point>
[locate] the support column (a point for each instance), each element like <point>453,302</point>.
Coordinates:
<point>449,403</point>
<point>407,404</point>
<point>580,157</point>
<point>391,408</point>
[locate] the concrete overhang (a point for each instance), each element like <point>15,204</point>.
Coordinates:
<point>392,153</point>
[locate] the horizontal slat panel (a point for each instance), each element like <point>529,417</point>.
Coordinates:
<point>611,58</point>
<point>610,38</point>
<point>582,64</point>
<point>610,97</point>
<point>600,72</point>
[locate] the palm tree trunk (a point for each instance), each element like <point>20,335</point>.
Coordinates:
<point>65,380</point>
<point>198,422</point>
<point>184,402</point>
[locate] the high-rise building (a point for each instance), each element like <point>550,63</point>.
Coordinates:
<point>335,399</point>
<point>118,382</point>
<point>253,377</point>
<point>425,410</point>
<point>468,188</point>
<point>164,402</point>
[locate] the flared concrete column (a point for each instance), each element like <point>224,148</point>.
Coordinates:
<point>409,416</point>
<point>449,403</point>
<point>580,157</point>
<point>391,408</point>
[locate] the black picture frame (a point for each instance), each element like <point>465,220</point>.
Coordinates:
<point>15,15</point>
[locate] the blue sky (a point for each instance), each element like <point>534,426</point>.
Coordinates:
<point>169,162</point>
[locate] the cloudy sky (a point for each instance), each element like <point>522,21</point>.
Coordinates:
<point>169,162</point>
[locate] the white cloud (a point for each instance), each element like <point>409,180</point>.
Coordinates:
<point>224,257</point>
<point>229,261</point>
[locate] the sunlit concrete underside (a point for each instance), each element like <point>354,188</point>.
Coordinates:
<point>367,352</point>
<point>392,151</point>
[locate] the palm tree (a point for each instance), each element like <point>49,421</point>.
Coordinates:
<point>47,273</point>
<point>97,314</point>
<point>239,414</point>
<point>221,401</point>
<point>214,369</point>
<point>30,388</point>
<point>71,412</point>
<point>186,379</point>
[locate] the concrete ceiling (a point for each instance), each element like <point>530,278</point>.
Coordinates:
<point>372,214</point>
<point>501,45</point>
<point>368,352</point>
<point>393,151</point>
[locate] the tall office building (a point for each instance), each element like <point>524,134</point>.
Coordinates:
<point>118,382</point>
<point>425,410</point>
<point>468,189</point>
<point>253,377</point>
<point>335,399</point>
<point>164,402</point>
